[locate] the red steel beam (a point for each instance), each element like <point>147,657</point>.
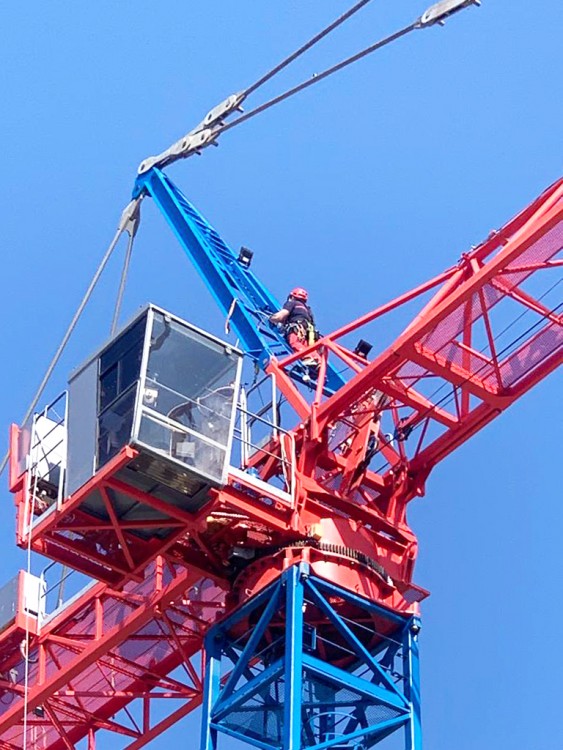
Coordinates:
<point>107,652</point>
<point>89,640</point>
<point>391,358</point>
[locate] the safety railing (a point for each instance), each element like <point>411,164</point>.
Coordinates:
<point>259,438</point>
<point>61,584</point>
<point>46,459</point>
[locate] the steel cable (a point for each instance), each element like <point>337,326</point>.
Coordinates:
<point>318,77</point>
<point>67,335</point>
<point>305,47</point>
<point>122,283</point>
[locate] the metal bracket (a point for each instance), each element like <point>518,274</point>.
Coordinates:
<point>439,12</point>
<point>218,113</point>
<point>202,135</point>
<point>131,217</point>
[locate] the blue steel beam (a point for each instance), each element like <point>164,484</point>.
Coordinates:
<point>242,612</point>
<point>240,295</point>
<point>248,651</point>
<point>298,700</point>
<point>356,645</point>
<point>333,590</point>
<point>212,685</point>
<point>219,268</point>
<point>392,699</point>
<point>239,736</point>
<point>293,674</point>
<point>223,708</point>
<point>411,667</point>
<point>382,730</point>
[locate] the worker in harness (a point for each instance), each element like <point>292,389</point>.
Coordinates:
<point>299,325</point>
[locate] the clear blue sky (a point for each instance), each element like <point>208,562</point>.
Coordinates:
<point>359,189</point>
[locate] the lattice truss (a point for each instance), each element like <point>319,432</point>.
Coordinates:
<point>492,330</point>
<point>348,667</point>
<point>119,662</point>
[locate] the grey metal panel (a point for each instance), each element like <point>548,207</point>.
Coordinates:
<point>8,602</point>
<point>82,430</point>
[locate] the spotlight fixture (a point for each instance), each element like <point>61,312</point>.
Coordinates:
<point>245,257</point>
<point>363,348</point>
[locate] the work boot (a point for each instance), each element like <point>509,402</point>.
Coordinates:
<point>311,372</point>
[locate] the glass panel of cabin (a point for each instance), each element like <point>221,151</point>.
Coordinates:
<point>188,397</point>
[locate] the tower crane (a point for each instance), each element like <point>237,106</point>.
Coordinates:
<point>249,541</point>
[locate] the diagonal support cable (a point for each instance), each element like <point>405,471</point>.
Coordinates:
<point>131,226</point>
<point>124,226</point>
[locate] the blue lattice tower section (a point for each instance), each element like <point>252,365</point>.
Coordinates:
<point>307,665</point>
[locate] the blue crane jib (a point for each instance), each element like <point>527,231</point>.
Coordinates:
<point>243,299</point>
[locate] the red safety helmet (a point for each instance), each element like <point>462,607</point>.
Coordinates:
<point>299,293</point>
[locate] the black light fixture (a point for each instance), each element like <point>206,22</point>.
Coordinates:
<point>363,348</point>
<point>39,711</point>
<point>245,257</point>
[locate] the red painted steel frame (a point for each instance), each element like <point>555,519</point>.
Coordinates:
<point>106,652</point>
<point>438,346</point>
<point>107,550</point>
<point>362,454</point>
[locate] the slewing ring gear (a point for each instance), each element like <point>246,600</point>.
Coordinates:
<point>332,549</point>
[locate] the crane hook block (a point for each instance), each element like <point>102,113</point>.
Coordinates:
<point>438,12</point>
